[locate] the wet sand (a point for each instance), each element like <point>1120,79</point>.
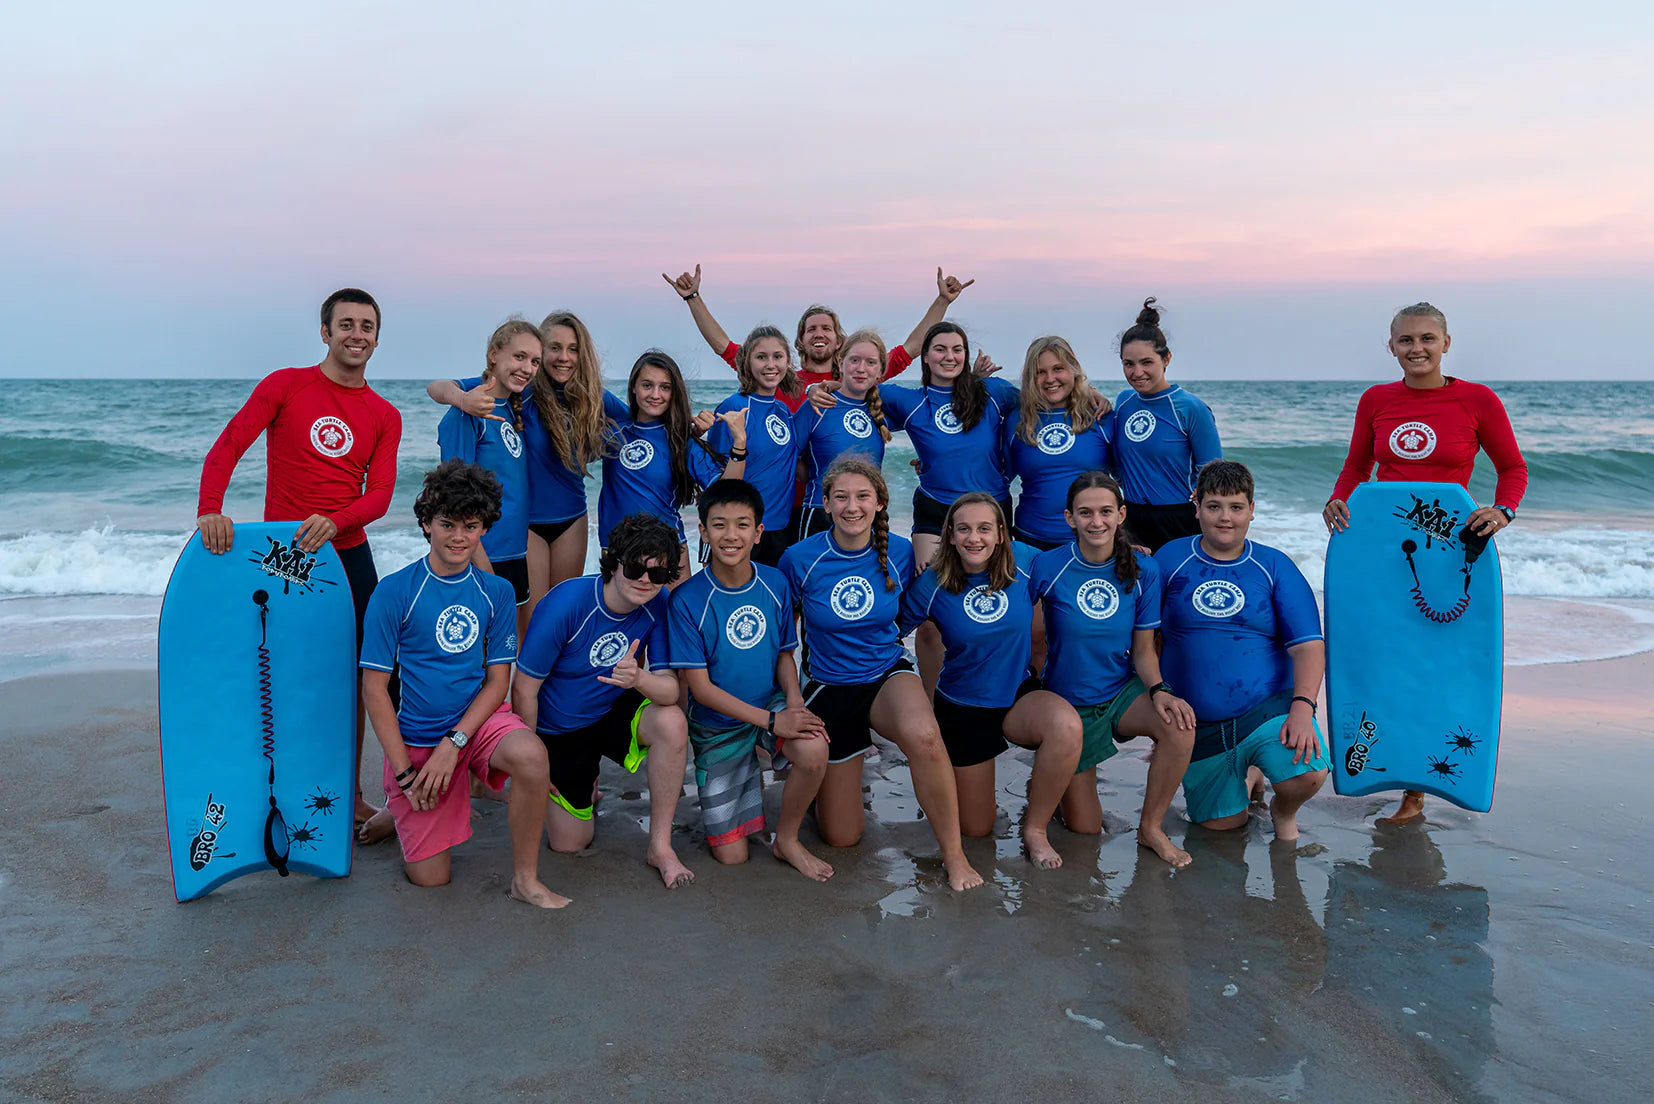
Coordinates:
<point>1500,957</point>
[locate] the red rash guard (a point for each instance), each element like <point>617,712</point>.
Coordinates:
<point>897,364</point>
<point>1433,435</point>
<point>331,450</point>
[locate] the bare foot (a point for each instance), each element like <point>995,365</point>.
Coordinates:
<point>379,826</point>
<point>797,856</point>
<point>961,874</point>
<point>530,891</point>
<point>481,789</point>
<point>1286,825</point>
<point>1040,851</point>
<point>1412,808</point>
<point>1158,842</point>
<point>1254,785</point>
<point>672,870</point>
<point>364,812</point>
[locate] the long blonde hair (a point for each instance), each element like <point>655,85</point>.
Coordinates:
<point>507,330</point>
<point>1086,405</point>
<point>853,463</point>
<point>575,422</point>
<point>875,405</point>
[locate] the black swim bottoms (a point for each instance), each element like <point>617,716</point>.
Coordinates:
<point>847,712</point>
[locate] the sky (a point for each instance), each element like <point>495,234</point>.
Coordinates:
<point>195,178</point>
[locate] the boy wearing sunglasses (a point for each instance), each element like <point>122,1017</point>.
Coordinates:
<point>593,682</point>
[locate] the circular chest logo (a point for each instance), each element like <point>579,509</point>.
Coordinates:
<point>986,606</point>
<point>511,440</point>
<point>852,598</point>
<point>1097,599</point>
<point>1412,440</point>
<point>858,424</point>
<point>330,436</point>
<point>608,648</point>
<point>1055,439</point>
<point>1218,598</point>
<point>457,628</point>
<point>636,455</point>
<point>947,421</point>
<point>1139,426</point>
<point>745,627</point>
<point>780,432</point>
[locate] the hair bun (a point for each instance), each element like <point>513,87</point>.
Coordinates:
<point>1149,315</point>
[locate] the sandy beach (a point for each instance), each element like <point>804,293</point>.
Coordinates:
<point>1505,956</point>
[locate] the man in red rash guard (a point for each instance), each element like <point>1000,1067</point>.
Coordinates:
<point>331,445</point>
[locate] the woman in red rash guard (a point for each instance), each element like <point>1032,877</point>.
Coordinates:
<point>1429,427</point>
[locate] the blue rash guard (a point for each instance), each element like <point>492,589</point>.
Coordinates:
<point>573,637</point>
<point>498,447</point>
<point>637,476</point>
<point>1228,624</point>
<point>772,453</point>
<point>825,435</point>
<point>1049,465</point>
<point>737,636</point>
<point>988,633</point>
<point>849,617</point>
<point>953,460</point>
<point>1089,618</point>
<point>442,631</point>
<point>1160,442</point>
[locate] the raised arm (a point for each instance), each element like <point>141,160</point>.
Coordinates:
<point>947,290</point>
<point>476,402</point>
<point>688,288</point>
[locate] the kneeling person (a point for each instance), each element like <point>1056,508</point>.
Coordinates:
<point>451,632</point>
<point>583,687</point>
<point>733,638</point>
<point>1234,606</point>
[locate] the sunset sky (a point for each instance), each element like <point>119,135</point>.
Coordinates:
<point>187,181</point>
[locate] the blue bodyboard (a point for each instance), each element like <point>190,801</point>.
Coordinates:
<point>257,650</point>
<point>1415,647</point>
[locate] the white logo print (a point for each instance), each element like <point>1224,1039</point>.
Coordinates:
<point>1139,426</point>
<point>858,424</point>
<point>1412,440</point>
<point>1218,598</point>
<point>608,649</point>
<point>509,438</point>
<point>330,436</point>
<point>1097,599</point>
<point>1055,439</point>
<point>745,627</point>
<point>457,628</point>
<point>780,432</point>
<point>852,598</point>
<point>946,421</point>
<point>636,455</point>
<point>986,606</point>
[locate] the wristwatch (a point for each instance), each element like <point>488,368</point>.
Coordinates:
<point>1510,515</point>
<point>459,738</point>
<point>1159,688</point>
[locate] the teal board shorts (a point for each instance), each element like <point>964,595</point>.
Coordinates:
<point>1214,786</point>
<point>1101,725</point>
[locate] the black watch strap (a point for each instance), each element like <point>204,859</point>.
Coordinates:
<point>1160,688</point>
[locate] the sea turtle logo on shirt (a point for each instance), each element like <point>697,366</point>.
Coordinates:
<point>608,649</point>
<point>858,424</point>
<point>1218,598</point>
<point>457,628</point>
<point>1412,440</point>
<point>852,598</point>
<point>780,432</point>
<point>635,456</point>
<point>946,420</point>
<point>1055,439</point>
<point>510,439</point>
<point>1139,426</point>
<point>1097,599</point>
<point>330,436</point>
<point>745,627</point>
<point>986,606</point>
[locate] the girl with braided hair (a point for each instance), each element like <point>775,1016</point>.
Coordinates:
<point>847,584</point>
<point>855,423</point>
<point>765,368</point>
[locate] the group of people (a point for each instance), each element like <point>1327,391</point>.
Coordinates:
<point>1117,597</point>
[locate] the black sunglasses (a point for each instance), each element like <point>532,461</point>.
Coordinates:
<point>660,576</point>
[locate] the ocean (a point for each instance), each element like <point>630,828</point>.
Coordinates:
<point>96,502</point>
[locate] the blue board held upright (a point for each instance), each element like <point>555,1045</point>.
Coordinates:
<point>257,672</point>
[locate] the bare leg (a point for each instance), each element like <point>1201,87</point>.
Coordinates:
<point>1166,766</point>
<point>1255,782</point>
<point>977,808</point>
<point>1412,808</point>
<point>1082,810</point>
<point>927,641</point>
<point>522,756</point>
<point>380,826</point>
<point>902,714</point>
<point>804,778</point>
<point>665,732</point>
<point>565,832</point>
<point>1290,796</point>
<point>731,854</point>
<point>364,812</point>
<point>840,817</point>
<point>567,560</point>
<point>429,873</point>
<point>1048,724</point>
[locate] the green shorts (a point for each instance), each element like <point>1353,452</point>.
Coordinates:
<point>1101,725</point>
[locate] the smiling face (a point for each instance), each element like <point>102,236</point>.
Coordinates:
<point>514,367</point>
<point>860,368</point>
<point>1418,343</point>
<point>561,353</point>
<point>730,531</point>
<point>641,590</point>
<point>768,361</point>
<point>352,334</point>
<point>1053,379</point>
<point>1144,369</point>
<point>975,534</point>
<point>1095,518</point>
<point>652,391</point>
<point>945,358</point>
<point>852,502</point>
<point>1224,520</point>
<point>821,341</point>
<point>453,542</point>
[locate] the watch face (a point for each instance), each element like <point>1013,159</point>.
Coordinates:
<point>459,738</point>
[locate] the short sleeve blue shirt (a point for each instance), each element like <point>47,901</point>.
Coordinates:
<point>737,636</point>
<point>1049,465</point>
<point>637,476</point>
<point>988,634</point>
<point>573,637</point>
<point>850,633</point>
<point>825,435</point>
<point>772,453</point>
<point>1160,442</point>
<point>498,447</point>
<point>1089,618</point>
<point>952,459</point>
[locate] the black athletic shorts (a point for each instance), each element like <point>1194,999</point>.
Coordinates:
<point>975,733</point>
<point>812,520</point>
<point>1153,526</point>
<point>770,546</point>
<point>577,756</point>
<point>847,712</point>
<point>363,577</point>
<point>515,572</point>
<point>929,514</point>
<point>1034,542</point>
<point>549,531</point>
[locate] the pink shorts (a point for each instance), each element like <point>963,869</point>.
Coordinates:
<point>429,832</point>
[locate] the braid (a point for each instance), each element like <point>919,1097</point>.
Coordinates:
<point>875,410</point>
<point>881,545</point>
<point>516,401</point>
<point>1125,557</point>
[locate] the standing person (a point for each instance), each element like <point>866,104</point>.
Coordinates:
<point>976,592</point>
<point>330,458</point>
<point>448,629</point>
<point>1243,642</point>
<point>583,687</point>
<point>848,583</point>
<point>854,422</point>
<point>511,362</point>
<point>1162,436</point>
<point>1059,431</point>
<point>765,369</point>
<point>733,639</point>
<point>1101,606</point>
<point>1429,427</point>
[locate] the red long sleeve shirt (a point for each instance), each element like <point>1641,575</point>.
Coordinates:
<point>895,366</point>
<point>331,450</point>
<point>1433,435</point>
